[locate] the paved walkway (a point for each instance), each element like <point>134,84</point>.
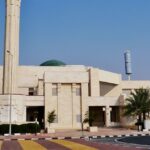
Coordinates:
<point>72,140</point>
<point>77,133</point>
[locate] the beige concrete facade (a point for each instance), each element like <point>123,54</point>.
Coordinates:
<point>69,90</point>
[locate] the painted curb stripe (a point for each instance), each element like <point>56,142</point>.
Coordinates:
<point>48,138</point>
<point>31,145</point>
<point>72,145</point>
<point>67,138</point>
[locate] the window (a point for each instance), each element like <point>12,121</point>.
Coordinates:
<point>78,118</point>
<point>56,119</point>
<point>106,88</point>
<point>31,91</point>
<point>54,90</point>
<point>78,91</point>
<point>115,114</point>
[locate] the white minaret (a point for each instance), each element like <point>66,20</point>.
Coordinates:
<point>11,49</point>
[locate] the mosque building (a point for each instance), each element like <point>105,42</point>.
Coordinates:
<point>70,90</point>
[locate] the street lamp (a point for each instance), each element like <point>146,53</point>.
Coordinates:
<point>10,92</point>
<point>36,121</point>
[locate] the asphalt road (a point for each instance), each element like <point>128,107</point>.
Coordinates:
<point>133,142</point>
<point>142,140</point>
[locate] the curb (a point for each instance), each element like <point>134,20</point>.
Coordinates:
<point>69,137</point>
<point>118,136</point>
<point>35,139</point>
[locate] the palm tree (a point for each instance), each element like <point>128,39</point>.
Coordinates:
<point>138,104</point>
<point>89,118</point>
<point>51,117</point>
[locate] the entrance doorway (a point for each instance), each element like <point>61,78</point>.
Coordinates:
<point>36,112</point>
<point>114,115</point>
<point>99,115</point>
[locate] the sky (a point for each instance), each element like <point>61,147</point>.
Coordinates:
<point>84,32</point>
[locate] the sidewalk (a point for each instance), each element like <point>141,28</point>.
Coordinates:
<point>102,132</point>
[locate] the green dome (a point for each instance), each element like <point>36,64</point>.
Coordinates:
<point>53,63</point>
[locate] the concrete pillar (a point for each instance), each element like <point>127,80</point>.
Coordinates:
<point>107,116</point>
<point>73,105</point>
<point>122,118</point>
<point>58,103</point>
<point>40,89</point>
<point>48,98</point>
<point>94,83</point>
<point>11,46</point>
<point>83,103</point>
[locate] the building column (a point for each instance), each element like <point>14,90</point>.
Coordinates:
<point>83,104</point>
<point>58,103</point>
<point>73,104</point>
<point>94,82</point>
<point>40,89</point>
<point>107,110</point>
<point>48,98</point>
<point>11,46</point>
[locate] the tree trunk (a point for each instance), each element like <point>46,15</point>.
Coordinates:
<point>144,116</point>
<point>140,118</point>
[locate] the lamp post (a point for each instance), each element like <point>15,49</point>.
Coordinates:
<point>36,121</point>
<point>10,92</point>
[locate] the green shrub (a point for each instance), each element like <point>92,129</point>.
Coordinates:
<point>23,128</point>
<point>32,128</point>
<point>51,117</point>
<point>15,128</point>
<point>4,128</point>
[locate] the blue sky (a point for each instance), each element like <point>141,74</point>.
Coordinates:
<point>87,32</point>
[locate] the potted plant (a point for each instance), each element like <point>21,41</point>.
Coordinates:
<point>89,118</point>
<point>50,119</point>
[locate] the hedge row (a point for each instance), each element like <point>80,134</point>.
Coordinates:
<point>23,128</point>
